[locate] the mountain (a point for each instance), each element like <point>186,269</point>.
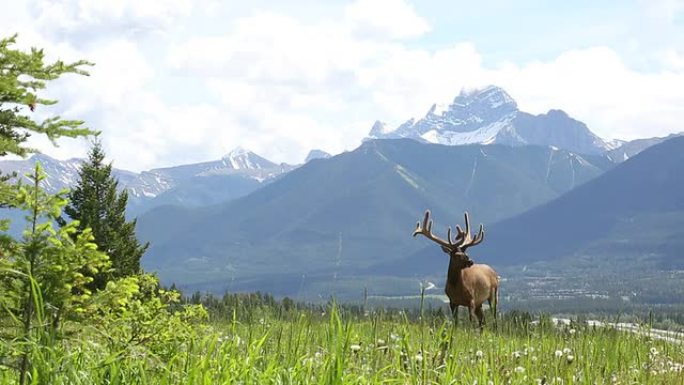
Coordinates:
<point>623,150</point>
<point>236,174</point>
<point>61,174</point>
<point>489,116</point>
<point>352,214</point>
<point>634,211</point>
<point>316,154</point>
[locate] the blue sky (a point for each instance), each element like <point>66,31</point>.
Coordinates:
<point>180,81</point>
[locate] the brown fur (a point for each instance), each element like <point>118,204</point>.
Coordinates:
<point>470,286</point>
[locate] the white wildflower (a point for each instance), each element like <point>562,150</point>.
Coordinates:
<point>572,331</point>
<point>479,354</point>
<point>520,369</point>
<point>516,354</point>
<point>419,358</point>
<point>570,358</point>
<point>355,348</point>
<point>558,353</point>
<point>567,351</point>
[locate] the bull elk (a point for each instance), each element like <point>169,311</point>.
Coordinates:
<point>468,284</point>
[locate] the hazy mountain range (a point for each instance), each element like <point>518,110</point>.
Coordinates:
<point>545,186</point>
<point>348,214</point>
<point>236,174</point>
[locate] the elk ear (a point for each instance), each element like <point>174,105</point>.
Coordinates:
<point>446,250</point>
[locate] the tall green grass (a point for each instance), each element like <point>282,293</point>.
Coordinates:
<point>334,347</point>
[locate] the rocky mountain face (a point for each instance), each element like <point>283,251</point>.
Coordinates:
<point>490,116</point>
<point>623,150</point>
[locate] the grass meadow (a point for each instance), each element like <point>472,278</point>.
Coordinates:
<point>334,346</point>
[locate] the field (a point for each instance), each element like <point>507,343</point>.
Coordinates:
<point>332,345</point>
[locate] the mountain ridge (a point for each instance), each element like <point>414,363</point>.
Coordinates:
<point>490,115</point>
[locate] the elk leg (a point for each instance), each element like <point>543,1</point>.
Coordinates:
<point>480,315</point>
<point>493,303</point>
<point>454,312</point>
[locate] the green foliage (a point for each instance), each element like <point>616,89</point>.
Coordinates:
<point>134,315</point>
<point>47,303</point>
<point>96,204</point>
<point>42,275</point>
<point>22,75</point>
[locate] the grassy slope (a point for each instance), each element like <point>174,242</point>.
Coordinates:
<point>305,348</point>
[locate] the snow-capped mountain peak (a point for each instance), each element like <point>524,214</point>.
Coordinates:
<point>491,97</point>
<point>490,115</point>
<point>243,159</point>
<point>317,154</point>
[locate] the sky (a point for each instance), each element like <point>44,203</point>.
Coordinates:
<point>184,81</point>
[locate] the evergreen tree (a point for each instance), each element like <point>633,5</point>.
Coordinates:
<point>22,75</point>
<point>96,204</point>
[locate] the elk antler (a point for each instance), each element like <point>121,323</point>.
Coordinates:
<point>426,229</point>
<point>465,239</point>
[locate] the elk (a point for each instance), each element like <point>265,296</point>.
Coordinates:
<point>468,284</point>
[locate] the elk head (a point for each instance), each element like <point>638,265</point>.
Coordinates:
<point>456,247</point>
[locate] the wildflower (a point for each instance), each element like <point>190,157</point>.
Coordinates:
<point>381,342</point>
<point>355,348</point>
<point>419,358</point>
<point>567,351</point>
<point>654,351</point>
<point>516,354</point>
<point>572,331</point>
<point>533,358</point>
<point>570,358</point>
<point>520,369</point>
<point>479,354</point>
<point>558,354</point>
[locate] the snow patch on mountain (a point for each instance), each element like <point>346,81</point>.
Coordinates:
<point>316,154</point>
<point>488,116</point>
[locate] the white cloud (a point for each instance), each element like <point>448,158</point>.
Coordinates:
<point>280,85</point>
<point>388,18</point>
<point>89,18</point>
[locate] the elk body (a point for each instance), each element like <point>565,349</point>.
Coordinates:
<point>468,284</point>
